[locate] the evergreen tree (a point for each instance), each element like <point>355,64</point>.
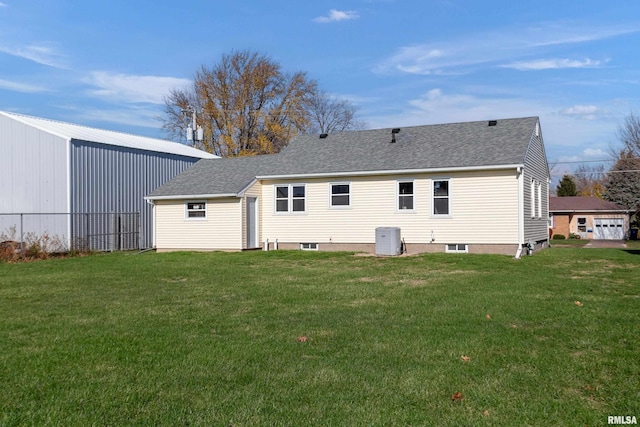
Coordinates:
<point>566,187</point>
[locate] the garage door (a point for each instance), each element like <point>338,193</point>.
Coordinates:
<point>608,229</point>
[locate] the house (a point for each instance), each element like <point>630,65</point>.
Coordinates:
<point>588,217</point>
<point>461,187</point>
<point>83,185</point>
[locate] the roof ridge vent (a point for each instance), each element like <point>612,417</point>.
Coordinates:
<point>493,122</point>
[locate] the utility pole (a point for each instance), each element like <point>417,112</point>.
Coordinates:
<point>194,132</point>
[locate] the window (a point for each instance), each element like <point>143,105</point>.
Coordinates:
<point>290,198</point>
<point>196,210</point>
<point>533,198</point>
<point>539,200</point>
<point>405,195</point>
<point>456,248</point>
<point>582,225</point>
<point>441,197</point>
<point>340,195</point>
<point>309,246</point>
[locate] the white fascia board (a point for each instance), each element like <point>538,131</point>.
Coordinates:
<point>192,197</point>
<point>391,172</point>
<point>246,187</point>
<point>589,211</point>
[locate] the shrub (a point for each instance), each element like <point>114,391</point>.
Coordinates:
<point>574,236</point>
<point>559,237</point>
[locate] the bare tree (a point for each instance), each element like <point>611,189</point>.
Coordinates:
<point>329,114</point>
<point>629,135</point>
<point>622,184</point>
<point>590,180</point>
<point>246,105</point>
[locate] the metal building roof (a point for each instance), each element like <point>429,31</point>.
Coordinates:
<point>102,136</point>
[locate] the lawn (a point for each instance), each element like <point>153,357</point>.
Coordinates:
<point>299,338</point>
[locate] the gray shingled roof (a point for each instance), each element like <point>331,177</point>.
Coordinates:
<point>453,145</point>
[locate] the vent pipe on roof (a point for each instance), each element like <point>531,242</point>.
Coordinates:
<point>393,134</point>
<point>493,122</point>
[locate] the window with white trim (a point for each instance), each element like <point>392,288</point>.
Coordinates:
<point>196,210</point>
<point>533,198</point>
<point>405,195</point>
<point>456,248</point>
<point>309,246</point>
<point>441,197</point>
<point>290,198</point>
<point>539,200</point>
<point>340,195</point>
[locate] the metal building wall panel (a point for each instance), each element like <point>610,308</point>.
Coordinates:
<point>34,176</point>
<point>107,178</point>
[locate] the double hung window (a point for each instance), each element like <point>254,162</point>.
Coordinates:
<point>441,197</point>
<point>405,195</point>
<point>340,195</point>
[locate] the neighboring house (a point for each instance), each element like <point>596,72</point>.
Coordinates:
<point>588,217</point>
<point>65,176</point>
<point>462,187</point>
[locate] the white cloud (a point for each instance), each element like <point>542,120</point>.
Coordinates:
<point>45,53</point>
<point>552,64</point>
<point>134,88</point>
<point>494,48</point>
<point>588,112</point>
<point>21,87</point>
<point>595,153</point>
<point>337,15</point>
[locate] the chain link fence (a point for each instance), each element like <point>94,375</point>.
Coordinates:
<point>62,232</point>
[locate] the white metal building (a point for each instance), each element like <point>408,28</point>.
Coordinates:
<point>55,172</point>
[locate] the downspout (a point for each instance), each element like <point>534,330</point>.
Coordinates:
<point>520,175</point>
<point>153,225</point>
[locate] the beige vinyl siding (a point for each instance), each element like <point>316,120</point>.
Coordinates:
<point>483,206</point>
<point>254,191</point>
<point>536,168</point>
<point>221,229</point>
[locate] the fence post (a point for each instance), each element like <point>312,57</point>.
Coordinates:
<point>21,232</point>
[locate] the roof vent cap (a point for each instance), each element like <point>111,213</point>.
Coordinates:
<point>493,122</point>
<point>323,135</point>
<point>394,131</point>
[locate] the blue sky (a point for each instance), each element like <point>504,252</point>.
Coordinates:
<point>108,64</point>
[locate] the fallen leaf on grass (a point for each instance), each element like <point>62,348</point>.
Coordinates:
<point>488,316</point>
<point>486,413</point>
<point>465,358</point>
<point>578,303</point>
<point>457,397</point>
<point>302,339</point>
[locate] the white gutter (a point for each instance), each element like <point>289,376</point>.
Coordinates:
<point>150,199</point>
<point>391,172</point>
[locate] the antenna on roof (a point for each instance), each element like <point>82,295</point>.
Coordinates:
<point>394,131</point>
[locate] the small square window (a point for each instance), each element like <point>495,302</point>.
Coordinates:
<point>196,210</point>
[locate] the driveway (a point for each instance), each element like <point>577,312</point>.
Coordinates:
<point>620,244</point>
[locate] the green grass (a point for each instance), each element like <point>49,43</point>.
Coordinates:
<point>212,339</point>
